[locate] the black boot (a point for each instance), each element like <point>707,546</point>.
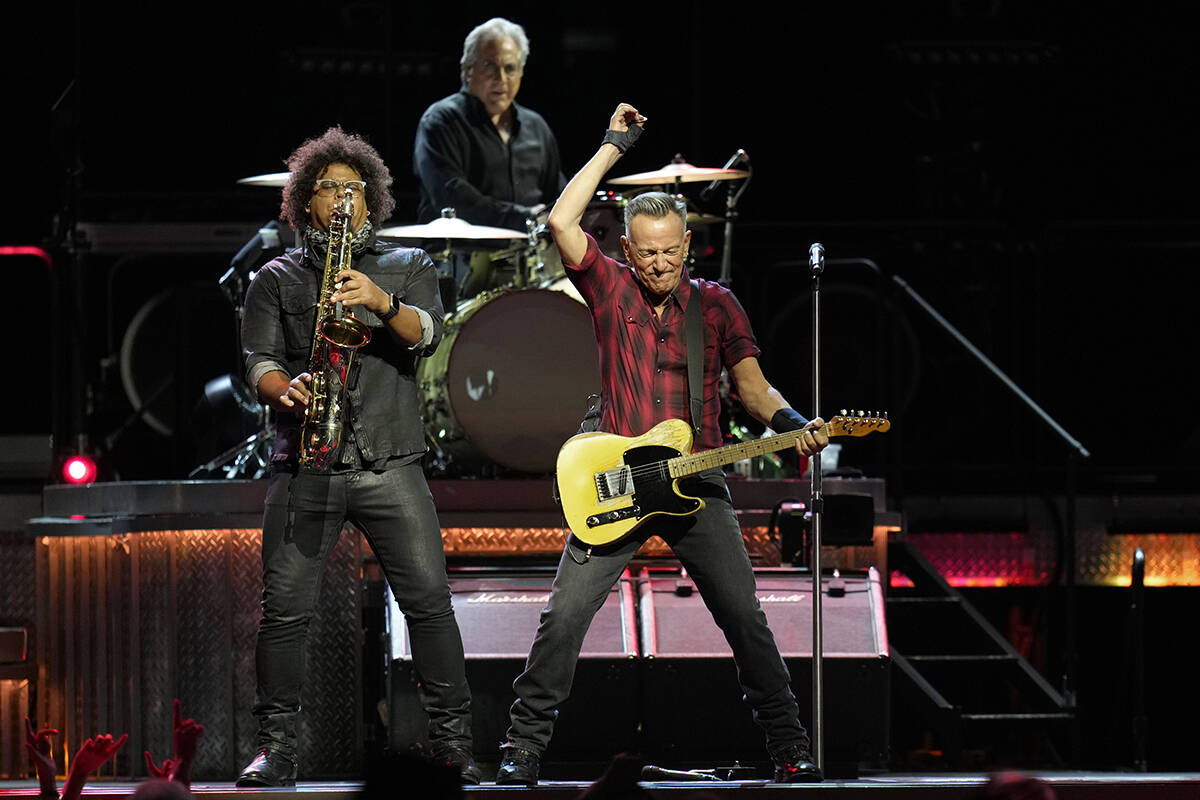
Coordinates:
<point>269,768</point>
<point>794,764</point>
<point>518,766</point>
<point>461,759</point>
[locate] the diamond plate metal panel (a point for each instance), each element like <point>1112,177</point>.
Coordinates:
<point>18,604</point>
<point>329,726</point>
<point>245,569</point>
<point>549,541</point>
<point>155,618</point>
<point>129,623</point>
<point>502,541</point>
<point>1172,559</point>
<point>204,645</point>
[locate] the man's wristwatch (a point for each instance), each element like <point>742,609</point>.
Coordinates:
<point>392,311</point>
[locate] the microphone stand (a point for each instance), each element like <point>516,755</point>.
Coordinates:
<point>816,266</point>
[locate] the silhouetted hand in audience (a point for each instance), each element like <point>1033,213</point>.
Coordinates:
<point>185,733</point>
<point>163,772</point>
<point>38,745</point>
<point>90,757</point>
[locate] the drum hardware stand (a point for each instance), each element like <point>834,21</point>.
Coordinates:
<point>533,255</point>
<point>235,461</point>
<point>816,266</point>
<point>252,452</point>
<point>731,212</point>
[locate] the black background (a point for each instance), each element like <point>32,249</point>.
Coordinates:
<point>1028,171</point>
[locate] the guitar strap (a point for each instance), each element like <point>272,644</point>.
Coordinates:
<point>695,354</point>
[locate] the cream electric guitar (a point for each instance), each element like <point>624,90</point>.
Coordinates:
<point>609,484</point>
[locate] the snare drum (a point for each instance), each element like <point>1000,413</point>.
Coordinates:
<point>510,380</point>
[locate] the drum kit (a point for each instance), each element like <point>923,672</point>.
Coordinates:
<point>518,360</point>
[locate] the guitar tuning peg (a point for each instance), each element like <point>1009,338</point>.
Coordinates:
<point>843,412</point>
<point>860,412</point>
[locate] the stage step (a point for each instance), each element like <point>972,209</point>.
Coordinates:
<point>957,681</point>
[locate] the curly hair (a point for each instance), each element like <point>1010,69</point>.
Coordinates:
<point>335,146</point>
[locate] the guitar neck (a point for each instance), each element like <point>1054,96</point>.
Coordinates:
<point>694,463</point>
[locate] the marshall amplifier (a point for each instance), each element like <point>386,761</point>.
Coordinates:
<point>694,709</point>
<point>498,614</point>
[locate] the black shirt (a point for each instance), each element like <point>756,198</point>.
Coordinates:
<point>382,411</point>
<point>460,161</point>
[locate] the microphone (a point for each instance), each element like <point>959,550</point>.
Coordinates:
<point>266,240</point>
<point>816,258</point>
<point>740,155</point>
<point>653,773</point>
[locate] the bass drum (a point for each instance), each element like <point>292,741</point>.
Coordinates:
<point>510,381</point>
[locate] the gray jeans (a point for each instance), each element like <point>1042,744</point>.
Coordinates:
<point>395,512</point>
<point>709,545</point>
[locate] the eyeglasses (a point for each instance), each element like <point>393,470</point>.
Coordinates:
<point>328,187</point>
<point>492,70</point>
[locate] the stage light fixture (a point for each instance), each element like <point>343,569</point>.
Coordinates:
<point>79,470</point>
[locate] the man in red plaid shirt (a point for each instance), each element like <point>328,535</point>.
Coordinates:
<point>638,311</point>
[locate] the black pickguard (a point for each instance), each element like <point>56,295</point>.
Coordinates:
<point>652,490</point>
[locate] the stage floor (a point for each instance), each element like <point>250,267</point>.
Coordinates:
<point>945,786</point>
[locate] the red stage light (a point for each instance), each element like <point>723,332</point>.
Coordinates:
<point>79,469</point>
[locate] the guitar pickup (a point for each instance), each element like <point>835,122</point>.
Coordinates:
<point>614,483</point>
<point>596,520</point>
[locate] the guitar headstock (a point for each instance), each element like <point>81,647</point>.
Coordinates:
<point>859,423</point>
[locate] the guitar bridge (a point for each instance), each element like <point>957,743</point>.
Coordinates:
<point>614,483</point>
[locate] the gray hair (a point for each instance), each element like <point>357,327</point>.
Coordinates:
<point>655,205</point>
<point>494,28</point>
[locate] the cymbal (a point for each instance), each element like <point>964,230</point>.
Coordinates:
<point>271,180</point>
<point>702,219</point>
<point>450,228</point>
<point>681,172</point>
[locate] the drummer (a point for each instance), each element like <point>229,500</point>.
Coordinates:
<point>494,161</point>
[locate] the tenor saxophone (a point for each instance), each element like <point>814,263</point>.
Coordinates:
<point>336,336</point>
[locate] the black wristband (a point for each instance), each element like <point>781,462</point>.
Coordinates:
<point>622,140</point>
<point>787,419</point>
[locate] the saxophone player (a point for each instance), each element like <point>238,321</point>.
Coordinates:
<point>374,478</point>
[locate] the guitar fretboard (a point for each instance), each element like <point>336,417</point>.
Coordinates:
<point>709,459</point>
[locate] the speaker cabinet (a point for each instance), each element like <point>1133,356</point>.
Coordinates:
<point>498,615</point>
<point>693,707</point>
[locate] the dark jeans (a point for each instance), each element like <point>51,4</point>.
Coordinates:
<point>395,512</point>
<point>709,545</point>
